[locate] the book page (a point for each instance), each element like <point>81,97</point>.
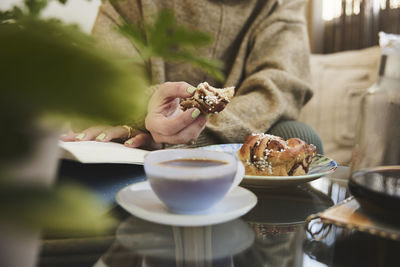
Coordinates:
<point>101,152</point>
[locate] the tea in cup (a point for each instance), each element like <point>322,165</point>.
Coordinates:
<point>192,180</point>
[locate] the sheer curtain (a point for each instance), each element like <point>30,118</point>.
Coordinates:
<point>355,24</point>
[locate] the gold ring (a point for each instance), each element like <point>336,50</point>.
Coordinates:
<point>130,130</point>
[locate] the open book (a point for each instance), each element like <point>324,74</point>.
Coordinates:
<point>99,152</point>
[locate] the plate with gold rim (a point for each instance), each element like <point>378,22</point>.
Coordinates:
<point>320,166</point>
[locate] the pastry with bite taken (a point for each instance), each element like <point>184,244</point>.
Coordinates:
<point>208,99</point>
<point>269,155</point>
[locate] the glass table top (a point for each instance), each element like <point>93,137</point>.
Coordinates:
<point>273,233</point>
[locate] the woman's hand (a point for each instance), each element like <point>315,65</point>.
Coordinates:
<point>166,122</point>
<point>130,137</point>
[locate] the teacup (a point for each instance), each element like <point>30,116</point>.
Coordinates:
<point>191,180</point>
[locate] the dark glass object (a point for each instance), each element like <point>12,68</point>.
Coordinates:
<point>376,155</point>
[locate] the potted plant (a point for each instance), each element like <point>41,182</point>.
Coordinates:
<point>50,73</point>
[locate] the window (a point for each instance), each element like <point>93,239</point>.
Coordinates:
<point>334,8</point>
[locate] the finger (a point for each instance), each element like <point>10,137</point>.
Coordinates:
<point>113,133</point>
<point>137,141</point>
<point>90,133</point>
<point>142,140</point>
<point>158,123</point>
<point>69,137</point>
<point>185,136</point>
<point>175,90</point>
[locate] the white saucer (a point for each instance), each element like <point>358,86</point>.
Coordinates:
<point>140,200</point>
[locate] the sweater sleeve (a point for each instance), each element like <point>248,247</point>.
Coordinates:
<point>275,76</point>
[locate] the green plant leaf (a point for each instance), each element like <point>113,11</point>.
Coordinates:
<point>173,42</point>
<point>13,14</point>
<point>136,36</point>
<point>35,7</point>
<point>66,209</point>
<point>47,68</point>
<point>63,71</point>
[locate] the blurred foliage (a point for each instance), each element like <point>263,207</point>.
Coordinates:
<point>48,69</point>
<point>173,42</point>
<point>32,8</point>
<point>51,68</point>
<point>67,209</point>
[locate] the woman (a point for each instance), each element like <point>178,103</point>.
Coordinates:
<point>264,46</point>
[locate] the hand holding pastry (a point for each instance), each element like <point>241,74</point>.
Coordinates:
<point>165,120</point>
<point>169,120</point>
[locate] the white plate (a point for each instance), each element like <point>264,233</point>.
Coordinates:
<point>320,166</point>
<point>140,200</point>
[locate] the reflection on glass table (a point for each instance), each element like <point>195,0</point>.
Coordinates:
<point>278,220</point>
<point>274,234</point>
<point>151,244</point>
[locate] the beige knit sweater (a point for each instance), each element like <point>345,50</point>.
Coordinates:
<point>263,43</point>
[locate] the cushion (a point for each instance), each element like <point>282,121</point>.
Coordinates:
<point>339,81</point>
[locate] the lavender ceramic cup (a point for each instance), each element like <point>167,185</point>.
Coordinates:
<point>191,189</point>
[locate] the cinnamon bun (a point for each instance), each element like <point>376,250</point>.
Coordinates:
<point>269,155</point>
